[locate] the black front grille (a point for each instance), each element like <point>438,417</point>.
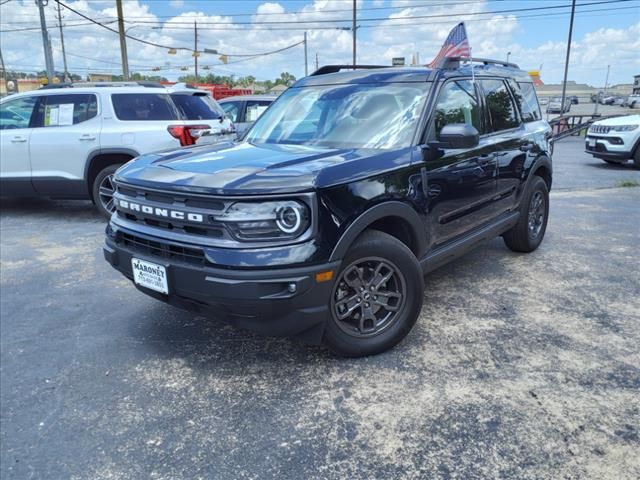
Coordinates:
<point>599,129</point>
<point>194,256</point>
<point>167,202</point>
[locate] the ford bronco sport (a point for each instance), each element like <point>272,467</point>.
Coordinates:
<point>323,220</point>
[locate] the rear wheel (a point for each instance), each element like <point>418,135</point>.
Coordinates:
<point>528,233</point>
<point>636,157</point>
<point>376,298</point>
<point>103,190</point>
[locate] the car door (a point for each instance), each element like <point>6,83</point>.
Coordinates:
<point>509,140</point>
<point>16,115</point>
<point>67,134</point>
<point>461,184</point>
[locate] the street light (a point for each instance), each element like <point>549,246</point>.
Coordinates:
<point>508,55</point>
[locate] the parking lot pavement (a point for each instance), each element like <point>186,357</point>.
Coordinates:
<point>574,169</point>
<point>520,366</point>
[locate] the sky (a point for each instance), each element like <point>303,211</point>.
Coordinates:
<point>606,32</point>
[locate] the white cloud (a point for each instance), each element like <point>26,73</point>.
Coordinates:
<point>176,3</point>
<point>400,35</point>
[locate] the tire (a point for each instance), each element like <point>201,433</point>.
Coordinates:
<point>524,237</point>
<point>636,157</point>
<point>100,193</point>
<point>370,328</point>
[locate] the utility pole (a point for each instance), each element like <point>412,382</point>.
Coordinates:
<point>306,65</point>
<point>64,54</point>
<point>195,47</point>
<point>566,62</point>
<point>317,62</point>
<point>353,29</point>
<point>48,56</point>
<point>123,42</point>
<point>4,74</point>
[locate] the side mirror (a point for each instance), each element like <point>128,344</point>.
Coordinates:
<point>459,135</point>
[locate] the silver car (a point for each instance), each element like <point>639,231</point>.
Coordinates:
<point>244,110</point>
<point>555,105</point>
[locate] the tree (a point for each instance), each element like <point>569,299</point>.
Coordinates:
<point>285,79</point>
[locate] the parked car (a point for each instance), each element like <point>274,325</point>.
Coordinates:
<point>574,100</point>
<point>607,99</point>
<point>615,140</point>
<point>555,105</point>
<point>618,101</point>
<point>323,220</point>
<point>633,101</point>
<point>544,101</point>
<point>67,142</point>
<point>246,109</point>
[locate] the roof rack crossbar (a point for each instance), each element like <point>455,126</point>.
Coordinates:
<point>336,68</point>
<point>454,62</point>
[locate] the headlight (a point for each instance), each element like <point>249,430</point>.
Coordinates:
<point>269,220</point>
<point>624,128</point>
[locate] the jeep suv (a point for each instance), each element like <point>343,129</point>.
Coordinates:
<point>323,220</point>
<point>66,141</point>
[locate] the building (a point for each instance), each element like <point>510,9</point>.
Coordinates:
<point>100,77</point>
<point>636,84</point>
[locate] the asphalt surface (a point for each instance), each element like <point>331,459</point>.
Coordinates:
<point>520,366</point>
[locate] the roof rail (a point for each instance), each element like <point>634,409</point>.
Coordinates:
<point>454,62</point>
<point>336,68</point>
<point>141,83</point>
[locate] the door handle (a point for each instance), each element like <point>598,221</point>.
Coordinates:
<point>485,159</point>
<point>18,140</point>
<point>87,137</point>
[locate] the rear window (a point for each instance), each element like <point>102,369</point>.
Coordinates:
<point>528,102</point>
<point>144,106</point>
<point>197,107</point>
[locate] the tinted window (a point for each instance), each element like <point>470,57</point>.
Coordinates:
<point>527,101</point>
<point>196,107</point>
<point>457,103</point>
<point>232,109</point>
<point>69,109</point>
<point>255,108</point>
<point>501,108</point>
<point>16,113</point>
<point>144,106</point>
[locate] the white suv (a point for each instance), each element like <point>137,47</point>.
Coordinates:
<point>67,142</point>
<point>615,140</point>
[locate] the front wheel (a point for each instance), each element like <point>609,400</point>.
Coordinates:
<point>103,190</point>
<point>376,298</point>
<point>528,233</point>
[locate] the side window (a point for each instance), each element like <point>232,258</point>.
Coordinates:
<point>527,101</point>
<point>16,113</point>
<point>144,106</point>
<point>255,109</point>
<point>457,103</point>
<point>232,109</point>
<point>502,111</point>
<point>69,109</point>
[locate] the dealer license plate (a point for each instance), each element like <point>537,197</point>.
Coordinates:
<point>591,142</point>
<point>150,275</point>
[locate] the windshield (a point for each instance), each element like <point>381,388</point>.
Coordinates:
<point>556,99</point>
<point>343,116</point>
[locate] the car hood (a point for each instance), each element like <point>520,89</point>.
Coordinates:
<point>625,120</point>
<point>245,168</point>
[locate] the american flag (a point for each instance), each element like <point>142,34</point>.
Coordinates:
<point>456,45</point>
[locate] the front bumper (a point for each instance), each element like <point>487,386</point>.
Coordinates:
<point>606,150</point>
<point>277,301</point>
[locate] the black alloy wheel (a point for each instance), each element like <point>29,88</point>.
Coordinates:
<point>536,215</point>
<point>368,297</point>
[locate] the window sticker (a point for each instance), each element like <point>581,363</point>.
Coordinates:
<point>254,112</point>
<point>51,116</point>
<point>65,114</point>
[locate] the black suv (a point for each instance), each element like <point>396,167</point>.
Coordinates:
<point>323,220</point>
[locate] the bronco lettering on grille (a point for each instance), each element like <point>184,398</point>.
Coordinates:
<point>161,212</point>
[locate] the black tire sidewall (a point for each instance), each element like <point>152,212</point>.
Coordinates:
<point>96,187</point>
<point>379,244</point>
<point>537,185</point>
